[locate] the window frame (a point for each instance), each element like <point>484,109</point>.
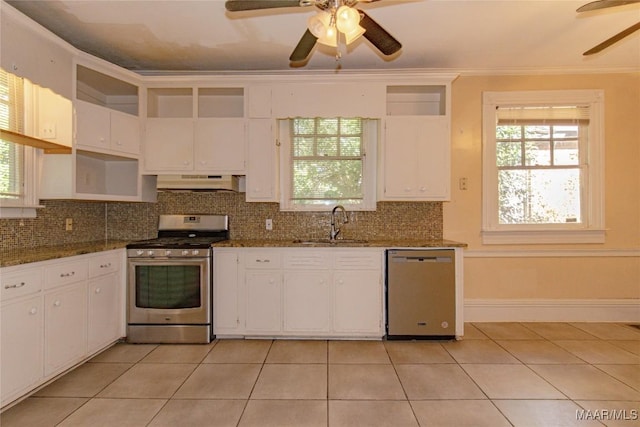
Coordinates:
<point>591,229</point>
<point>25,206</point>
<point>370,130</point>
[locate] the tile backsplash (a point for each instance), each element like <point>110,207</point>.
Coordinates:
<point>94,221</point>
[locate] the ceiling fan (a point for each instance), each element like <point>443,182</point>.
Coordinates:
<point>336,18</point>
<point>603,4</point>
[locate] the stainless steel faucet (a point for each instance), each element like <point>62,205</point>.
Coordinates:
<point>335,230</point>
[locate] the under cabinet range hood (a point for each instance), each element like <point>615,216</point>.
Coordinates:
<point>197,182</point>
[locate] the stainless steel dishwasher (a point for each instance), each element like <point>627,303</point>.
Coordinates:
<point>421,297</point>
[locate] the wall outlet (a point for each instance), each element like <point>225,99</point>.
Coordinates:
<point>463,183</point>
<point>68,224</point>
<point>268,224</point>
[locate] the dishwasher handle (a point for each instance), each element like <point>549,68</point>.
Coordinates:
<point>421,259</point>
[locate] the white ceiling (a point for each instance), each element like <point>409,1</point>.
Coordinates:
<point>452,35</point>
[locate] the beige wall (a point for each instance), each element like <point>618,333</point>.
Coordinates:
<point>612,273</point>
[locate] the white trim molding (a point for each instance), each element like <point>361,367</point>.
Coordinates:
<point>552,310</point>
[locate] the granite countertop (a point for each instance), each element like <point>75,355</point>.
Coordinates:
<point>24,256</point>
<point>319,243</point>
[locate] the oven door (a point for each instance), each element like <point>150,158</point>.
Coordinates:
<point>169,291</point>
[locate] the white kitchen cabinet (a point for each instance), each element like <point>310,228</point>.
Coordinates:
<point>264,302</point>
<point>169,145</point>
<point>262,162</point>
<point>416,158</point>
<point>104,302</point>
<point>259,101</point>
<point>306,302</point>
<point>55,314</point>
<point>65,330</point>
<point>195,129</point>
<point>219,145</point>
<point>106,130</point>
<point>227,293</point>
<point>357,302</point>
<point>21,351</point>
<point>298,292</point>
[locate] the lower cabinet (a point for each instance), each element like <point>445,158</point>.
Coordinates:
<point>21,351</point>
<point>298,292</point>
<point>65,327</point>
<point>56,314</point>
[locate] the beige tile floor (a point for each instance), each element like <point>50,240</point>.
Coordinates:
<point>500,374</point>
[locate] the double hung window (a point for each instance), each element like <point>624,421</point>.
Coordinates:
<point>543,167</point>
<point>329,162</point>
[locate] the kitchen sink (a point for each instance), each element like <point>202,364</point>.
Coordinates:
<point>328,242</point>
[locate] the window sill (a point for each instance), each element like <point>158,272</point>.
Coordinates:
<point>19,211</point>
<point>542,237</point>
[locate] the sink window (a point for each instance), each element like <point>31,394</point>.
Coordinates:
<point>330,161</point>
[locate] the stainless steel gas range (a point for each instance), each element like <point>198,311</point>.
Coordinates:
<point>169,280</point>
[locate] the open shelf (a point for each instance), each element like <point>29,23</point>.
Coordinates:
<point>170,102</point>
<point>101,174</point>
<point>221,102</point>
<point>106,91</point>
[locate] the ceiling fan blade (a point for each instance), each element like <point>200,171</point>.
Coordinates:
<point>240,5</point>
<point>378,36</point>
<point>304,47</point>
<point>605,44</point>
<point>603,4</point>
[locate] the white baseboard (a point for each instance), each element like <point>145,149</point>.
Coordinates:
<point>552,310</point>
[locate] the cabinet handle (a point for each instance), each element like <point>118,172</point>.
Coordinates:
<point>98,290</point>
<point>107,265</point>
<point>68,274</point>
<point>263,260</point>
<point>57,303</point>
<point>423,189</point>
<point>15,285</point>
<point>407,189</point>
<point>33,311</point>
<point>118,142</point>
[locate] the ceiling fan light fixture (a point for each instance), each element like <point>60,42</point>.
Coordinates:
<point>330,37</point>
<point>354,35</point>
<point>318,24</point>
<point>347,19</point>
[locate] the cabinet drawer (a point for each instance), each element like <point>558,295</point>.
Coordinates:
<point>103,265</point>
<point>65,273</point>
<point>20,283</point>
<point>263,259</point>
<point>357,261</point>
<point>307,260</point>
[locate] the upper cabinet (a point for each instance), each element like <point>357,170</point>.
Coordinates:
<point>106,113</point>
<point>415,147</point>
<point>105,162</point>
<point>195,129</point>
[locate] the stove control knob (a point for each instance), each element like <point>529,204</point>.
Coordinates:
<point>185,252</point>
<point>167,252</point>
<point>150,253</point>
<point>139,252</point>
<point>195,252</point>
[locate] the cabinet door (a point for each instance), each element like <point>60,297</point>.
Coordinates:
<point>125,132</point>
<point>21,350</point>
<point>169,145</point>
<point>264,305</point>
<point>262,173</point>
<point>93,125</point>
<point>103,312</point>
<point>306,301</point>
<point>434,179</point>
<point>220,145</point>
<point>65,313</point>
<point>416,158</point>
<point>226,291</point>
<point>357,305</point>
